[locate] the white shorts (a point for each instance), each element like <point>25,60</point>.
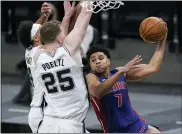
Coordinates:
<point>86,131</point>
<point>56,125</point>
<point>35,117</point>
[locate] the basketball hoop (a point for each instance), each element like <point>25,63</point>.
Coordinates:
<point>97,6</point>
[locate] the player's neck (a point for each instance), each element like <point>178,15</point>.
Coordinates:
<point>51,47</point>
<point>106,74</point>
<point>36,44</point>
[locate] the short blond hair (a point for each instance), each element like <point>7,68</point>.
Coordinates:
<point>49,31</point>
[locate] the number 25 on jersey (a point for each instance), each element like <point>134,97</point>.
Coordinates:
<point>50,81</point>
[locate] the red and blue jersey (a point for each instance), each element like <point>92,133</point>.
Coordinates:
<point>114,110</point>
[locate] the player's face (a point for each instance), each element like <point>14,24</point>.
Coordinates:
<point>61,36</point>
<point>99,62</point>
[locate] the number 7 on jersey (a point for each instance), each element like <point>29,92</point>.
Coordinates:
<point>119,99</point>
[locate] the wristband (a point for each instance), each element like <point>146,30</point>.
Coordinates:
<point>45,15</point>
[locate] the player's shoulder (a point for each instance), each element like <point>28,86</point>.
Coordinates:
<point>91,76</point>
<point>115,70</point>
<point>65,49</point>
<point>31,51</point>
<point>31,55</point>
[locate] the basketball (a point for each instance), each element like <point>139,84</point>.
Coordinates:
<point>152,29</point>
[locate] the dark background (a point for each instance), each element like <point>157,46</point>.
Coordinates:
<point>128,17</point>
<point>157,99</point>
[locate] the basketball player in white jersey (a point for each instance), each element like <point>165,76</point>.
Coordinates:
<point>29,37</point>
<point>36,112</point>
<point>57,69</point>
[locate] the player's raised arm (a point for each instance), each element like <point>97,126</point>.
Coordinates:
<point>69,10</point>
<point>98,89</point>
<point>75,16</point>
<point>45,13</point>
<point>145,70</point>
<point>75,37</point>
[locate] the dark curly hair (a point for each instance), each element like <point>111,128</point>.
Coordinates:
<point>24,32</point>
<point>97,48</point>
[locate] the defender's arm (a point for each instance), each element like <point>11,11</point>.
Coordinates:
<point>42,19</point>
<point>75,16</point>
<point>75,37</point>
<point>45,11</point>
<point>69,10</point>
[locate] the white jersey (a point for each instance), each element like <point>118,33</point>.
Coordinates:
<point>63,83</point>
<point>38,93</point>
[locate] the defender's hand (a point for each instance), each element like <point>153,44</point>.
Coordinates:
<point>68,8</point>
<point>46,9</point>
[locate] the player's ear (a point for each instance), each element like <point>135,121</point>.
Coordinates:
<point>109,62</point>
<point>36,39</point>
<point>59,39</point>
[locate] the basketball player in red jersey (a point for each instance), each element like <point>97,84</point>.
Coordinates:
<point>109,93</point>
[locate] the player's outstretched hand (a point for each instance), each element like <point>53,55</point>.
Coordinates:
<point>163,41</point>
<point>165,37</point>
<point>68,8</point>
<point>133,63</point>
<point>46,9</point>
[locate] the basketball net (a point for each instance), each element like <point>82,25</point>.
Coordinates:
<point>97,6</point>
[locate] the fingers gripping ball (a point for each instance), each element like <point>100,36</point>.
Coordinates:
<point>152,29</point>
